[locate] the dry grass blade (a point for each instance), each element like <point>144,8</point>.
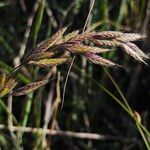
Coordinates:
<point>29,88</point>
<point>8,86</point>
<point>48,62</point>
<point>80,48</point>
<point>107,35</point>
<point>129,50</point>
<point>126,37</point>
<point>108,43</point>
<point>99,60</point>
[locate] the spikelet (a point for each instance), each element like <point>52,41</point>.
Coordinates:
<point>107,35</point>
<point>71,35</point>
<point>56,39</point>
<point>48,62</point>
<point>83,37</point>
<point>126,37</point>
<point>99,60</point>
<point>29,88</point>
<point>108,43</point>
<point>42,55</point>
<point>137,50</point>
<point>129,50</point>
<point>80,48</point>
<point>8,86</point>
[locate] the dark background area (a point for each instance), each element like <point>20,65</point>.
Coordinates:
<point>87,108</point>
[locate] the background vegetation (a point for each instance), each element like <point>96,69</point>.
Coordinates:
<point>90,117</point>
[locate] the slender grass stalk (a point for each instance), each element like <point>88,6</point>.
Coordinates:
<point>8,111</point>
<point>56,103</point>
<point>10,122</point>
<point>125,101</point>
<point>118,89</point>
<point>103,10</point>
<point>122,12</point>
<point>27,111</point>
<point>38,21</point>
<point>66,81</point>
<point>28,105</point>
<point>144,128</point>
<point>129,111</point>
<point>6,45</point>
<point>147,143</point>
<point>69,70</point>
<point>104,89</point>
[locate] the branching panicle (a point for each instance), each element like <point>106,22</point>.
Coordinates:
<point>51,52</point>
<point>84,43</point>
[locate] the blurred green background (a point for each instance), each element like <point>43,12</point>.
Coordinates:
<point>87,107</point>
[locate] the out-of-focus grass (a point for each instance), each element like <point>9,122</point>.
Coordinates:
<point>86,108</point>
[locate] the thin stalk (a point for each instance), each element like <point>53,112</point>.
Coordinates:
<point>27,109</point>
<point>125,101</point>
<point>87,19</point>
<point>107,91</point>
<point>66,81</point>
<point>121,13</point>
<point>117,100</point>
<point>147,144</point>
<point>69,70</point>
<point>8,111</point>
<point>145,130</point>
<point>103,10</point>
<point>118,89</point>
<point>38,21</point>
<point>139,125</point>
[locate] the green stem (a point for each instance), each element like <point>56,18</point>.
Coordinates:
<point>38,21</point>
<point>37,26</point>
<point>143,136</point>
<point>119,91</point>
<point>8,111</point>
<point>130,112</point>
